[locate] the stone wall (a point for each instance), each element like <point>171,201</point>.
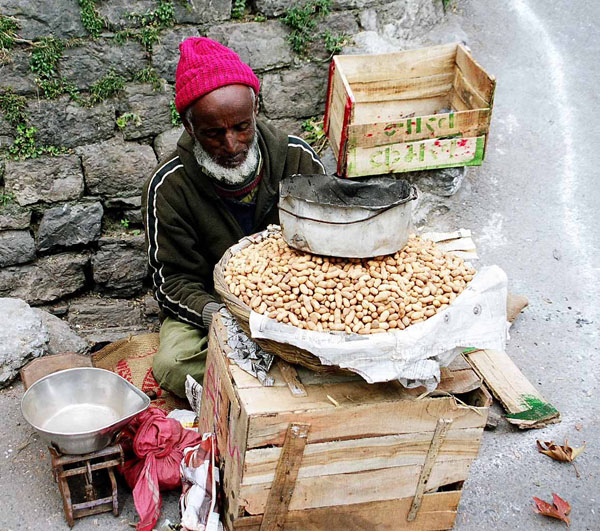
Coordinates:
<point>70,225</point>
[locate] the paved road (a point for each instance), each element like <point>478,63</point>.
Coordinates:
<point>533,209</point>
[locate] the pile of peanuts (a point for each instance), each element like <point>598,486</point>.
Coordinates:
<point>362,296</point>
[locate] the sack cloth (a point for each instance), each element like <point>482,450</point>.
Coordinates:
<point>132,359</point>
<point>154,445</point>
<point>476,318</point>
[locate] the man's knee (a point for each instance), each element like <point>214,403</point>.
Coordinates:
<point>182,351</point>
<point>163,366</point>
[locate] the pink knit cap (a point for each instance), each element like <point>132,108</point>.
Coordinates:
<point>205,65</point>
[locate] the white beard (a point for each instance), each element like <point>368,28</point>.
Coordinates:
<point>230,176</point>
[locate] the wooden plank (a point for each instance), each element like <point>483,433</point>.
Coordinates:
<point>41,367</point>
<point>282,486</point>
<point>233,457</point>
<point>526,406</point>
<point>403,89</point>
<point>290,376</point>
<point>456,103</point>
<point>465,124</point>
<point>263,400</point>
<point>309,377</point>
<point>243,380</point>
<point>215,396</point>
<point>460,382</point>
<point>446,236</point>
<point>438,512</point>
<point>359,487</point>
<point>441,429</point>
<point>466,255</point>
<point>459,363</point>
<point>392,111</point>
<point>359,455</point>
<point>420,155</point>
<point>398,65</point>
<point>467,93</point>
<point>341,72</point>
<point>221,408</point>
<point>353,420</point>
<point>336,111</point>
<point>477,77</point>
<point>460,244</point>
<point>343,147</point>
<point>327,114</point>
<point>335,134</point>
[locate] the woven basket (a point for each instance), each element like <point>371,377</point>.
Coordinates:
<point>241,312</point>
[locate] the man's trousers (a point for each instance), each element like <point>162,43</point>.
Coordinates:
<point>182,351</point>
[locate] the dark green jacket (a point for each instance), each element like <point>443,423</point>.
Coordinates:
<point>188,227</point>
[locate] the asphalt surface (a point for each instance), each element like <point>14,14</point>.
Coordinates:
<point>532,208</point>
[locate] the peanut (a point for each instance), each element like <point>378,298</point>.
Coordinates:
<point>346,295</point>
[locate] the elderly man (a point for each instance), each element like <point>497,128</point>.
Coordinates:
<point>220,184</point>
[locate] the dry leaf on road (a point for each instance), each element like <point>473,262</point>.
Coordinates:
<point>563,453</point>
<point>559,509</point>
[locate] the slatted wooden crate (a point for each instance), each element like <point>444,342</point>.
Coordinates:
<point>411,110</point>
<point>347,455</point>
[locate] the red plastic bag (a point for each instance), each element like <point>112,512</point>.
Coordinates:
<point>157,443</point>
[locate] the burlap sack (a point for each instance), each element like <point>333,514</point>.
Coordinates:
<point>131,358</point>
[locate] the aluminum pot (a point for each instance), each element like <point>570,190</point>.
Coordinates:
<point>81,410</point>
<point>329,216</point>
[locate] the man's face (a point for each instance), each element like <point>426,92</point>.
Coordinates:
<point>223,122</point>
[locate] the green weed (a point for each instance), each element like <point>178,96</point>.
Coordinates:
<point>90,18</point>
<point>122,36</point>
<point>8,32</point>
<point>128,117</point>
<point>125,223</point>
<point>149,75</point>
<point>13,107</point>
<point>6,198</point>
<point>106,87</point>
<point>334,43</point>
<point>175,117</point>
<point>24,146</point>
<point>45,57</point>
<point>303,22</point>
<point>314,133</point>
<point>239,9</point>
<point>44,61</point>
<point>152,22</point>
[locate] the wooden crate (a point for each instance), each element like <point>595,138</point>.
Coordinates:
<point>405,111</point>
<point>348,455</point>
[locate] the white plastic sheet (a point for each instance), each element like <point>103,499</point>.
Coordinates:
<point>476,318</point>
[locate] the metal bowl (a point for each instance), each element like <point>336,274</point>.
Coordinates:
<point>80,410</point>
<point>329,216</point>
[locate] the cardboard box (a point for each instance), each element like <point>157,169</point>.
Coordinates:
<point>405,111</point>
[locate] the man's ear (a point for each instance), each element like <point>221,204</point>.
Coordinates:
<point>185,121</point>
<point>187,125</point>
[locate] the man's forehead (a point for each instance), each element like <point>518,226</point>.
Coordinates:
<point>232,103</point>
